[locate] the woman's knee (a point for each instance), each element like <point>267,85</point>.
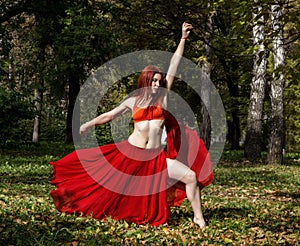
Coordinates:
<point>190,177</point>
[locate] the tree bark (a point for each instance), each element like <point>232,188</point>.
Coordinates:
<point>205,127</point>
<point>73,119</point>
<point>38,111</point>
<point>257,94</point>
<point>275,155</point>
<point>39,91</point>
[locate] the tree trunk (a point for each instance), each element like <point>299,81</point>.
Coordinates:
<point>257,94</point>
<point>233,124</point>
<point>12,75</point>
<point>205,127</point>
<point>38,111</point>
<point>275,154</point>
<point>72,129</point>
<point>39,91</point>
<point>234,133</point>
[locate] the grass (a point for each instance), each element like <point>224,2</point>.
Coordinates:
<point>248,204</point>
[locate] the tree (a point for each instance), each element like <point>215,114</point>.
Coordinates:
<point>277,86</point>
<point>205,127</point>
<point>51,46</point>
<point>257,94</point>
<point>232,63</point>
<point>291,75</point>
<point>42,35</point>
<point>84,43</point>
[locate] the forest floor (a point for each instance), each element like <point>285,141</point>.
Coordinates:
<point>249,203</point>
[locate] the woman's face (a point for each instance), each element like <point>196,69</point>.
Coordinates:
<point>156,83</point>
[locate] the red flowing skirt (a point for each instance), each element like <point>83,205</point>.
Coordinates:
<point>124,182</point>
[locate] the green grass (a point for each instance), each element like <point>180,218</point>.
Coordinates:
<point>249,203</point>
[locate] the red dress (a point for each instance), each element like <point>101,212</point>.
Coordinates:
<point>127,182</point>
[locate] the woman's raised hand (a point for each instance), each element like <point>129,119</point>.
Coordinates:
<point>186,29</point>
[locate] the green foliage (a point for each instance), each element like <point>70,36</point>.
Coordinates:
<point>53,130</point>
<point>292,113</point>
<point>14,109</point>
<point>86,39</point>
<point>248,204</point>
<point>292,90</point>
<point>79,36</point>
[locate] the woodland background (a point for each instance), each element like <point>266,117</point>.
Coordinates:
<point>249,49</point>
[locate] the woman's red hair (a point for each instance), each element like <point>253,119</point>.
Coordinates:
<point>146,78</point>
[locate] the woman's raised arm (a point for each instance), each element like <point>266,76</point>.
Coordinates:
<point>175,60</point>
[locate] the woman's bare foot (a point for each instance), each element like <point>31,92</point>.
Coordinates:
<point>200,222</point>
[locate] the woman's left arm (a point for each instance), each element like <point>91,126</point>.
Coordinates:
<point>175,60</point>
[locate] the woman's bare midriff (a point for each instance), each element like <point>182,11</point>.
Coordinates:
<point>147,134</point>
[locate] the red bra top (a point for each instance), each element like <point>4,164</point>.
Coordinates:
<point>149,113</point>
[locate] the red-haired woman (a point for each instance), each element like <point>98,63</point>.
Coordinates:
<point>129,180</point>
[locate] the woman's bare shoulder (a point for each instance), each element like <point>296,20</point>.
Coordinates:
<point>129,102</point>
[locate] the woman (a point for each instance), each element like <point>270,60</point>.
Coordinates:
<point>87,185</point>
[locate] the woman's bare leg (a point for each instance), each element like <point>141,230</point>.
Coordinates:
<point>179,171</point>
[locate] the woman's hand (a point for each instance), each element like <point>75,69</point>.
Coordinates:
<point>83,129</point>
<point>186,29</point>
